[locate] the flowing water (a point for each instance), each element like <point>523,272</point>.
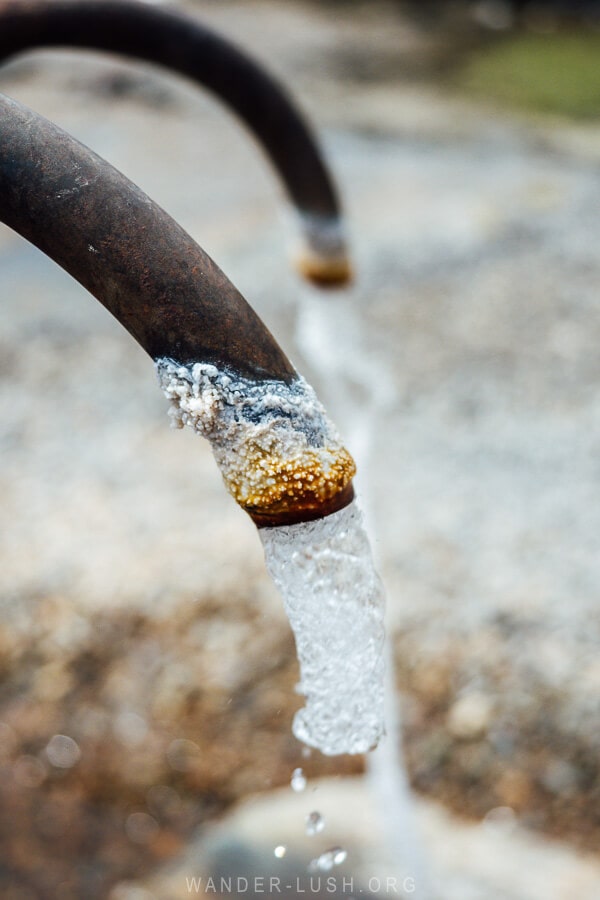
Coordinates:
<point>270,439</point>
<point>334,601</point>
<point>331,340</point>
<point>275,445</point>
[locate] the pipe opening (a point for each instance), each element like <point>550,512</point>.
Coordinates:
<point>280,456</point>
<point>322,256</point>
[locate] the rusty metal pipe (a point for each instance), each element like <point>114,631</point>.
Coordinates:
<point>181,308</point>
<point>180,43</point>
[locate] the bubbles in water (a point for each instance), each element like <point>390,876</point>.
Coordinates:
<point>298,780</point>
<point>315,823</point>
<point>334,601</point>
<point>280,851</point>
<point>326,861</point>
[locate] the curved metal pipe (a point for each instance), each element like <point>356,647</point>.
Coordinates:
<point>221,366</point>
<point>179,43</point>
<point>126,250</point>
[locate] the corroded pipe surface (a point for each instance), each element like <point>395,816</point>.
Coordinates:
<point>180,43</point>
<point>308,513</point>
<point>222,369</point>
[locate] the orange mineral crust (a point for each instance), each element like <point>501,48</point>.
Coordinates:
<point>323,270</point>
<point>280,456</point>
<point>273,485</point>
<point>322,256</point>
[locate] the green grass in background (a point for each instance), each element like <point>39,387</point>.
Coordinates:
<point>557,74</point>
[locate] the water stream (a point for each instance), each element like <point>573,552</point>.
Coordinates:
<point>274,445</point>
<point>334,601</point>
<point>331,340</point>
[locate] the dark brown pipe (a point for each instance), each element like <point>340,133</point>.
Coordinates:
<point>122,247</point>
<point>178,42</point>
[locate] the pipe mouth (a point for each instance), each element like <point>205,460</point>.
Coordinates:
<point>280,456</point>
<point>286,484</point>
<point>302,509</point>
<point>322,257</point>
<point>324,271</point>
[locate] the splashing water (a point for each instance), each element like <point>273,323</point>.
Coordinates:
<point>298,780</point>
<point>335,604</point>
<point>315,823</point>
<point>326,861</point>
<point>325,332</point>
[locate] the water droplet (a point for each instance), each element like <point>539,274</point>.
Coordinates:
<point>62,751</point>
<point>280,851</point>
<point>326,861</point>
<point>315,823</point>
<point>298,780</point>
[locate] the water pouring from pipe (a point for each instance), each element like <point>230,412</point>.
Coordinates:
<point>283,461</point>
<point>335,603</point>
<point>225,375</point>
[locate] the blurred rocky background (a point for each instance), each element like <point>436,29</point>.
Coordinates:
<point>147,669</point>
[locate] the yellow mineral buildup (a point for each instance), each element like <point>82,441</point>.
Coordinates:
<point>280,456</point>
<point>323,254</point>
<point>324,271</point>
<point>304,486</point>
<point>283,461</point>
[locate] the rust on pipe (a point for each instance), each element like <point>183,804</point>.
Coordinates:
<point>309,511</point>
<point>180,43</point>
<point>165,290</point>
